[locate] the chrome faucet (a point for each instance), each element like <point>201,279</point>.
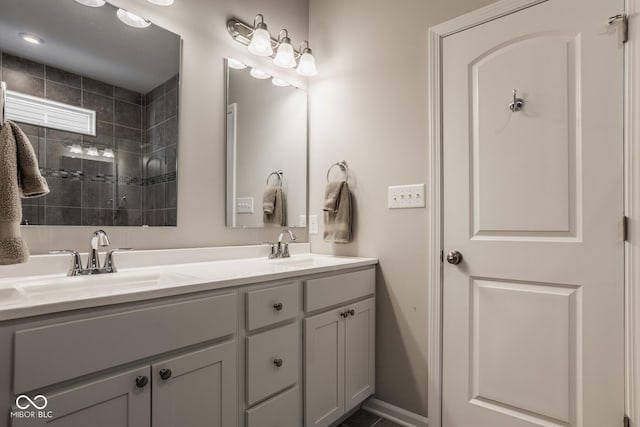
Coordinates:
<point>99,239</point>
<point>283,247</point>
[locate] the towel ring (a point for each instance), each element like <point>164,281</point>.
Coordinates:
<point>279,173</point>
<point>343,166</point>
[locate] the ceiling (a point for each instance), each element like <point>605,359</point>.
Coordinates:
<point>90,41</point>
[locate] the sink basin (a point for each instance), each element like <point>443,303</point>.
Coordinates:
<point>100,284</point>
<point>9,296</point>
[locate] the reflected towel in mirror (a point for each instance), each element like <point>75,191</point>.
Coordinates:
<point>274,207</point>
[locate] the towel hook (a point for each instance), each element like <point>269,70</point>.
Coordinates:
<point>279,173</point>
<point>343,166</point>
<point>517,103</point>
<point>3,103</point>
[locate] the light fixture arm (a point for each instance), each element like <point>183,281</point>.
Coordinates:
<point>242,32</point>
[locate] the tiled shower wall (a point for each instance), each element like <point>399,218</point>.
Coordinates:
<point>83,191</point>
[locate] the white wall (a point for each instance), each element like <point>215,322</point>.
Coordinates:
<point>201,152</point>
<point>369,106</point>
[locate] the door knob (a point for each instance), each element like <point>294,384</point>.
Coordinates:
<point>454,257</point>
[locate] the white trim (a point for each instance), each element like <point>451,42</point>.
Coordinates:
<point>632,210</point>
<point>436,35</point>
<point>394,413</point>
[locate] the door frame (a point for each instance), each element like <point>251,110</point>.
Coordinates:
<point>435,248</point>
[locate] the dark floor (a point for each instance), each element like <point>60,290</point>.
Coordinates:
<point>363,418</point>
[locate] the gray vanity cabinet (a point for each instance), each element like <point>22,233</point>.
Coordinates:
<point>339,346</point>
<point>113,401</point>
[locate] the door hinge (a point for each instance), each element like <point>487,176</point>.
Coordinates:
<point>441,256</point>
<point>626,422</point>
<point>622,21</point>
<point>625,228</point>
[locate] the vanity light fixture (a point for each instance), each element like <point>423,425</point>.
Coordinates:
<point>31,38</point>
<point>92,3</point>
<point>75,149</point>
<point>260,43</point>
<point>279,82</point>
<point>108,152</point>
<point>161,2</point>
<point>132,20</point>
<point>93,151</point>
<point>259,74</point>
<point>307,63</point>
<point>285,56</point>
<point>235,64</point>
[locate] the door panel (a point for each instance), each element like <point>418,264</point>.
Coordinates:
<point>360,352</point>
<point>533,199</point>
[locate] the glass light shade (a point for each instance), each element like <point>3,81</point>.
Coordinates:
<point>161,2</point>
<point>261,43</point>
<point>92,3</point>
<point>132,20</point>
<point>235,64</point>
<point>108,152</point>
<point>75,149</point>
<point>307,65</point>
<point>259,74</point>
<point>93,151</point>
<point>31,38</point>
<point>285,57</point>
<point>279,82</point>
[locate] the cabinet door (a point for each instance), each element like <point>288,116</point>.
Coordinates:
<point>359,376</point>
<point>324,368</point>
<point>115,401</point>
<point>196,389</point>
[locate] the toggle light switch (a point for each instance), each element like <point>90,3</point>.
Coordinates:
<point>406,196</point>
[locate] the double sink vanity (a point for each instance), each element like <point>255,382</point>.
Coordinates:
<point>230,339</point>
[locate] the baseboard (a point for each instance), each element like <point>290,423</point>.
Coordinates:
<point>394,413</point>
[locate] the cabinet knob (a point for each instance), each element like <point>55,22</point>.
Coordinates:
<point>352,312</point>
<point>165,374</point>
<point>277,362</point>
<point>277,306</point>
<point>142,381</point>
<point>344,314</point>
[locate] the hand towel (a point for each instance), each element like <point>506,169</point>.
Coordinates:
<point>19,177</point>
<point>338,216</point>
<point>275,207</point>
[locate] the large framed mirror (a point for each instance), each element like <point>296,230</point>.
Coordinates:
<point>116,166</point>
<point>266,150</point>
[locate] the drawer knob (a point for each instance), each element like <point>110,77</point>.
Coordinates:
<point>277,306</point>
<point>352,312</point>
<point>165,374</point>
<point>142,381</point>
<point>344,314</point>
<point>277,362</point>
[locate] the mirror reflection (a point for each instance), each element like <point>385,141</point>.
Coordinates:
<point>266,150</point>
<point>125,72</point>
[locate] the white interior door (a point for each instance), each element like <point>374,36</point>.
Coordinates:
<point>533,200</point>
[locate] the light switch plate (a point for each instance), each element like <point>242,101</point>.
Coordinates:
<point>406,196</point>
<point>313,224</point>
<point>244,205</point>
<point>302,221</point>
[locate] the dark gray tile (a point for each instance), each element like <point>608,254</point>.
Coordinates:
<point>171,217</point>
<point>98,171</point>
<point>65,77</point>
<point>60,135</point>
<point>154,196</point>
<point>72,166</point>
<point>63,93</point>
<point>171,104</point>
<point>128,139</point>
<point>128,165</point>
<point>171,131</point>
<point>97,217</point>
<point>128,114</point>
<point>386,423</point>
<point>127,95</point>
<point>97,195</point>
<point>32,130</point>
<point>157,114</point>
<point>156,93</point>
<point>64,192</point>
<point>172,83</point>
<point>22,65</point>
<point>132,194</point>
<point>362,419</point>
<point>171,158</point>
<point>154,139</point>
<point>22,82</point>
<point>32,215</point>
<point>154,218</point>
<point>58,156</point>
<point>63,216</point>
<point>101,104</point>
<point>103,138</point>
<point>97,87</point>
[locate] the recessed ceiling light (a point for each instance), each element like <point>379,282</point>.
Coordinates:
<point>132,20</point>
<point>234,63</point>
<point>259,74</point>
<point>161,2</point>
<point>92,3</point>
<point>31,38</point>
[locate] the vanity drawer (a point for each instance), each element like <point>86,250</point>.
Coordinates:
<point>338,289</point>
<point>63,351</point>
<point>268,306</point>
<point>281,411</point>
<point>264,352</point>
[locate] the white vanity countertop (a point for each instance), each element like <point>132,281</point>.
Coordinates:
<point>36,295</point>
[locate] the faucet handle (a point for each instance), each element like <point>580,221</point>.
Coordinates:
<point>76,261</point>
<point>274,252</point>
<point>285,251</point>
<point>108,261</point>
